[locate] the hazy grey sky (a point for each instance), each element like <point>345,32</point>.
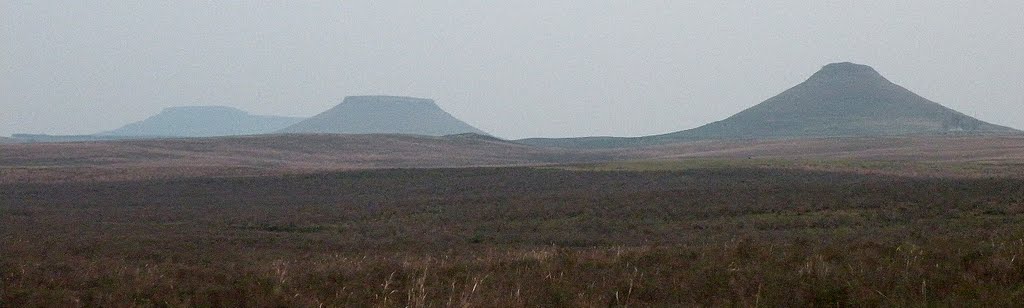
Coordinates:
<point>512,68</point>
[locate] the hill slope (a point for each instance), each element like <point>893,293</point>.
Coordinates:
<point>842,99</point>
<point>203,121</point>
<point>384,115</point>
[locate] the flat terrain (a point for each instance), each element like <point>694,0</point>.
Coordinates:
<point>297,154</point>
<point>825,222</point>
<point>263,155</point>
<point>995,149</point>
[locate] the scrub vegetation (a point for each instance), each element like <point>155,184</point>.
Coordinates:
<point>683,234</point>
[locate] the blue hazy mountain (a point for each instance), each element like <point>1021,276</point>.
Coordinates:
<point>384,115</point>
<point>204,121</point>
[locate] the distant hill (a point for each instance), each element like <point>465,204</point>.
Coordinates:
<point>203,121</point>
<point>5,140</point>
<point>384,115</point>
<point>842,99</point>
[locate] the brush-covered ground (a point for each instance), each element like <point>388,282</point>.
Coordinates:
<point>720,232</point>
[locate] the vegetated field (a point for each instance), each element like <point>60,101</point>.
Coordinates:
<point>133,160</point>
<point>684,232</point>
<point>265,155</point>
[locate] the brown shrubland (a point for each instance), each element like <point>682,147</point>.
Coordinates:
<point>697,234</point>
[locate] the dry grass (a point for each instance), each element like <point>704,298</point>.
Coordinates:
<point>903,168</point>
<point>262,155</point>
<point>517,237</point>
<point>738,272</point>
<point>999,149</point>
<point>297,154</point>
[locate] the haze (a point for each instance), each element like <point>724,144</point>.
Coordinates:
<point>542,69</point>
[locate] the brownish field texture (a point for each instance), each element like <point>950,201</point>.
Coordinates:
<point>291,154</point>
<point>263,155</point>
<point>319,220</point>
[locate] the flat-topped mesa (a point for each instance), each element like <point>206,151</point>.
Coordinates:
<point>384,115</point>
<point>847,68</point>
<point>385,99</point>
<point>849,73</point>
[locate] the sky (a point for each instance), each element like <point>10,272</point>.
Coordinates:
<point>515,69</point>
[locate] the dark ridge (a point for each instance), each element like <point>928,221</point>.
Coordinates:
<point>475,136</point>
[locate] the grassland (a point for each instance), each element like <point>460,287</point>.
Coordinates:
<point>133,160</point>
<point>271,155</point>
<point>716,232</point>
<point>905,168</point>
